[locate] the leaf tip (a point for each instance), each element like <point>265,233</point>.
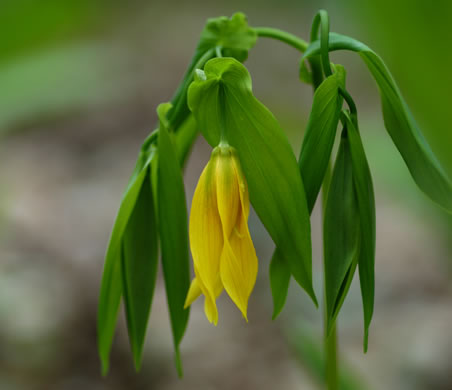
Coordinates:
<point>277,308</point>
<point>105,366</point>
<point>311,293</point>
<point>137,359</point>
<point>366,340</point>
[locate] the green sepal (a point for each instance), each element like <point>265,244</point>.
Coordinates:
<point>223,103</point>
<point>423,165</point>
<point>172,218</point>
<point>341,233</point>
<point>139,259</point>
<point>366,205</point>
<point>111,286</point>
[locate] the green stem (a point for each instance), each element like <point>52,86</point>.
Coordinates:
<point>321,20</point>
<point>331,371</point>
<point>283,36</point>
<point>332,380</point>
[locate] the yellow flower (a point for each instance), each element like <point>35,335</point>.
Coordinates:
<point>220,242</point>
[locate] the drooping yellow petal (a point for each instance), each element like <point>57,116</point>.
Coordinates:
<point>206,238</point>
<point>193,294</point>
<point>243,185</point>
<point>211,310</point>
<point>227,191</point>
<point>195,291</point>
<point>238,267</point>
<point>222,249</point>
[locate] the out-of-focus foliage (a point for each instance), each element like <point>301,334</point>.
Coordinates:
<point>309,351</point>
<point>48,65</point>
<point>28,25</point>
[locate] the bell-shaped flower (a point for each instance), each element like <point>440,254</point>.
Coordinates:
<point>220,242</point>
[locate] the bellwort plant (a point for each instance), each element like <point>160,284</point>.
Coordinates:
<point>253,162</point>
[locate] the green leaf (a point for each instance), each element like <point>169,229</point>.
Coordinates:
<point>341,233</point>
<point>366,205</point>
<point>139,266</point>
<point>233,36</point>
<point>172,216</point>
<point>111,287</point>
<point>279,281</point>
<point>313,162</point>
<point>222,101</point>
<point>320,134</point>
<point>184,139</point>
<point>399,122</point>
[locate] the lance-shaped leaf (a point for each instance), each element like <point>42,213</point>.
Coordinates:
<point>341,233</point>
<point>366,204</point>
<point>320,133</point>
<point>139,266</point>
<point>172,217</point>
<point>400,124</point>
<point>222,101</point>
<point>313,161</point>
<point>111,287</point>
<point>185,138</point>
<point>232,36</point>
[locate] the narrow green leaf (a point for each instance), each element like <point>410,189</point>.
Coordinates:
<point>279,281</point>
<point>184,139</point>
<point>110,297</point>
<point>366,205</point>
<point>341,232</point>
<point>313,162</point>
<point>172,216</point>
<point>222,101</point>
<point>320,133</point>
<point>111,287</point>
<point>399,122</point>
<point>139,266</point>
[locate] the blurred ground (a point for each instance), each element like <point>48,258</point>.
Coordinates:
<point>74,113</point>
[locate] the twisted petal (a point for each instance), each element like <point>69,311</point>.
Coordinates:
<point>238,264</point>
<point>228,198</point>
<point>206,241</point>
<point>210,308</point>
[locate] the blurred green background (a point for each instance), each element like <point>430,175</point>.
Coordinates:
<point>79,84</point>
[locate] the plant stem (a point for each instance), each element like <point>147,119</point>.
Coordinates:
<point>330,340</point>
<point>332,382</point>
<point>290,39</point>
